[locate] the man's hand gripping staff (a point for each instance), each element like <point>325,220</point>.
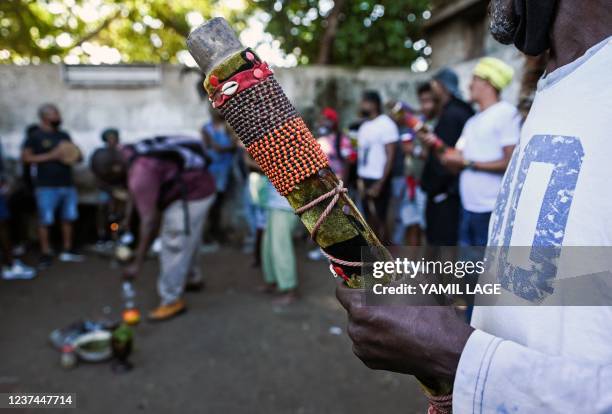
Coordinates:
<point>243,89</point>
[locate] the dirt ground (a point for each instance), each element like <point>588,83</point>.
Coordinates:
<point>232,352</point>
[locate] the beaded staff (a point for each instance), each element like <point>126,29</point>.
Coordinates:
<point>243,89</point>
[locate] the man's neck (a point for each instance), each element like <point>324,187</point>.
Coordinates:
<point>487,102</point>
<point>444,99</point>
<point>46,127</point>
<point>576,29</point>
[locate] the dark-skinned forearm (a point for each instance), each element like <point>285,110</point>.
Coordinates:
<point>149,226</point>
<point>30,158</point>
<point>390,152</point>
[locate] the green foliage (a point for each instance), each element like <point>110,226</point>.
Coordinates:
<point>140,30</point>
<point>368,32</point>
<point>379,33</point>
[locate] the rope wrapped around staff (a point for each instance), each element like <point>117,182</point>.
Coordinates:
<point>335,194</point>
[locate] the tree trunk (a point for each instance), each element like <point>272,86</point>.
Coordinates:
<point>327,41</point>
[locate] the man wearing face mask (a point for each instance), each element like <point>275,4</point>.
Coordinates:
<point>443,207</point>
<point>53,183</point>
<point>377,141</point>
<point>556,192</point>
<point>336,146</point>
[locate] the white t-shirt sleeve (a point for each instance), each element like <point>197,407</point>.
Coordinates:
<point>496,376</point>
<point>509,127</point>
<point>460,145</point>
<point>465,135</point>
<point>389,132</point>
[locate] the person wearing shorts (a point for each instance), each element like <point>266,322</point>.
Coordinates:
<point>53,183</point>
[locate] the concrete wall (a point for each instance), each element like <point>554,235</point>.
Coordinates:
<point>458,31</point>
<point>174,105</point>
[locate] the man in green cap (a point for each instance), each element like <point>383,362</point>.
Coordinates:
<point>484,149</point>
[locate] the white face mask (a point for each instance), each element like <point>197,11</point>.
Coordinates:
<point>323,130</point>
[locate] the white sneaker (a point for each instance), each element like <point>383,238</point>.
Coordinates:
<point>67,256</point>
<point>18,271</point>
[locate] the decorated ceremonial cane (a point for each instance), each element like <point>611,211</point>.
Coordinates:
<point>243,89</point>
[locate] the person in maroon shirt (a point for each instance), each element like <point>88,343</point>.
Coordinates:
<point>172,201</point>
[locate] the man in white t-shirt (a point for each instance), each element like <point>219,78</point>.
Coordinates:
<point>377,141</point>
<point>556,192</point>
<point>484,149</point>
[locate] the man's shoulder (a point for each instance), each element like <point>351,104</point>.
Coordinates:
<point>458,108</point>
<point>63,135</point>
<point>33,138</point>
<point>385,124</point>
<point>384,119</point>
<point>143,174</point>
<point>503,108</point>
<point>143,164</point>
<point>41,134</point>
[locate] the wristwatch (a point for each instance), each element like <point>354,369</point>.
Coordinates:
<point>468,165</point>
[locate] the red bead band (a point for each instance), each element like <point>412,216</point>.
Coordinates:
<point>288,155</point>
<point>239,82</point>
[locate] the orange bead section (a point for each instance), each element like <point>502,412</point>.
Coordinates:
<point>288,155</point>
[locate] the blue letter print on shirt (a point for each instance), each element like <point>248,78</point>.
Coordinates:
<point>566,155</point>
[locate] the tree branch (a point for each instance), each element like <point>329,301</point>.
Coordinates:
<point>327,40</point>
<point>88,36</point>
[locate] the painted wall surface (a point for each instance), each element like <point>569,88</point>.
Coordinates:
<point>174,105</point>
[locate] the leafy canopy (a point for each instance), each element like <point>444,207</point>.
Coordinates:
<point>356,32</point>
<point>102,31</point>
<point>369,32</point>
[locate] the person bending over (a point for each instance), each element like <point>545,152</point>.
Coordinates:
<point>172,191</point>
